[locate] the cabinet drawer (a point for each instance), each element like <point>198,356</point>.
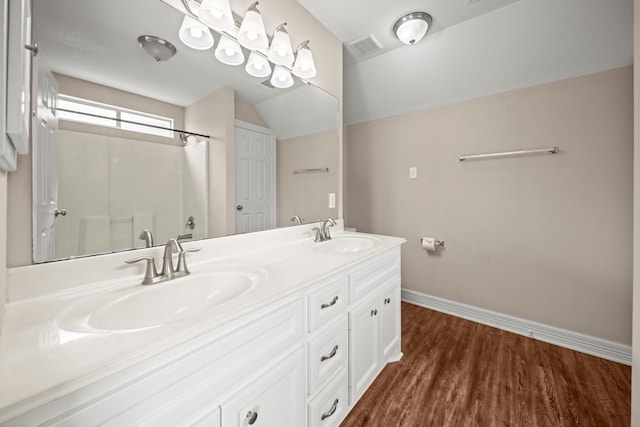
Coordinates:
<point>327,303</point>
<point>274,400</point>
<point>366,280</point>
<point>327,353</point>
<point>329,407</point>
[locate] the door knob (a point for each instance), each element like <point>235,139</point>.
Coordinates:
<point>239,207</point>
<point>62,212</point>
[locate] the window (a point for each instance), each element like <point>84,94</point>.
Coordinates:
<point>94,113</point>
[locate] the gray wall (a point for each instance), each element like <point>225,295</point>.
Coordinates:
<point>544,238</point>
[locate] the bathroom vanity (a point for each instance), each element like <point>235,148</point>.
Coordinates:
<point>269,329</point>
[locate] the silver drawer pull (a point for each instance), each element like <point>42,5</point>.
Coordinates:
<point>331,411</point>
<point>327,305</point>
<point>330,355</point>
<point>374,312</point>
<point>252,417</point>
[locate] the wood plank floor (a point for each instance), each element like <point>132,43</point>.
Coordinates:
<point>459,373</point>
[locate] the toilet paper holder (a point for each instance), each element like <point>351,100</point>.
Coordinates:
<point>437,243</point>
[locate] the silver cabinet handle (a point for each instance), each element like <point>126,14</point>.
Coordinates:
<point>330,355</point>
<point>327,305</point>
<point>331,411</point>
<point>57,212</point>
<point>252,417</point>
<point>374,312</point>
<point>387,300</point>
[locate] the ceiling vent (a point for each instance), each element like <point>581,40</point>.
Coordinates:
<point>366,45</point>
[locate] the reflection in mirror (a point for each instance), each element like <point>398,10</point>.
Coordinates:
<point>270,154</point>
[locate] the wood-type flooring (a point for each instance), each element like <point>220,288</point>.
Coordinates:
<point>457,373</point>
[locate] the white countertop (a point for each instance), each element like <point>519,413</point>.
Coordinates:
<point>41,361</point>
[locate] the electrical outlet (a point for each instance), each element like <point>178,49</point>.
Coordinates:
<point>332,200</point>
<point>413,172</point>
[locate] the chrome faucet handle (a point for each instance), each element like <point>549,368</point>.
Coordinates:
<point>318,236</point>
<point>150,273</point>
<point>185,237</point>
<point>181,269</point>
<point>296,218</point>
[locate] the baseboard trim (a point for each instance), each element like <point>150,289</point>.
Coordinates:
<point>564,338</point>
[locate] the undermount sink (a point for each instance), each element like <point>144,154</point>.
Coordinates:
<point>347,244</point>
<point>142,307</point>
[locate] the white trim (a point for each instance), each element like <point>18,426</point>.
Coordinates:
<point>256,128</point>
<point>564,338</point>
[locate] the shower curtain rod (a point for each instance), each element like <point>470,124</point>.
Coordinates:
<point>131,122</point>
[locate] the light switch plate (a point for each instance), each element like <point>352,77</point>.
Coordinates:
<point>332,200</point>
<point>413,172</point>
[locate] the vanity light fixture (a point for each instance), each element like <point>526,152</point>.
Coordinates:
<point>229,51</point>
<point>217,14</point>
<point>195,34</point>
<point>257,65</point>
<point>304,66</point>
<point>158,48</point>
<point>281,52</point>
<point>281,77</point>
<point>252,34</point>
<point>412,27</point>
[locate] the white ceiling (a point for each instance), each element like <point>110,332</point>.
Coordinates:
<point>474,48</point>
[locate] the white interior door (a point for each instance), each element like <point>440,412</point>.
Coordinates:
<point>45,165</point>
<point>255,179</point>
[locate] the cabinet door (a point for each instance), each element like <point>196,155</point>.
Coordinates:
<point>276,399</point>
<point>390,323</point>
<point>364,350</point>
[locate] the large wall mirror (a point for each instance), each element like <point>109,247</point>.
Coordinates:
<point>252,156</point>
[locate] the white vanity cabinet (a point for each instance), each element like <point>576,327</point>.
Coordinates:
<point>301,360</point>
<point>374,321</point>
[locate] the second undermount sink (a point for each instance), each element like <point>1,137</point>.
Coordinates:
<point>143,307</point>
<point>347,244</point>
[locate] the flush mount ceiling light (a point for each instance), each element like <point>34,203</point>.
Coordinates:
<point>281,78</point>
<point>304,67</point>
<point>229,51</point>
<point>281,52</point>
<point>195,34</point>
<point>412,27</point>
<point>257,65</point>
<point>217,14</point>
<point>158,48</point>
<point>252,34</point>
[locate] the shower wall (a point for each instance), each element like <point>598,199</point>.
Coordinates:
<point>113,188</point>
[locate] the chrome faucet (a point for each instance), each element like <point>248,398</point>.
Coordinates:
<point>171,247</point>
<point>297,219</point>
<point>324,231</point>
<point>147,237</point>
<point>168,271</point>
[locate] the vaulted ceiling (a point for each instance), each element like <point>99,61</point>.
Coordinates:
<point>474,48</point>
